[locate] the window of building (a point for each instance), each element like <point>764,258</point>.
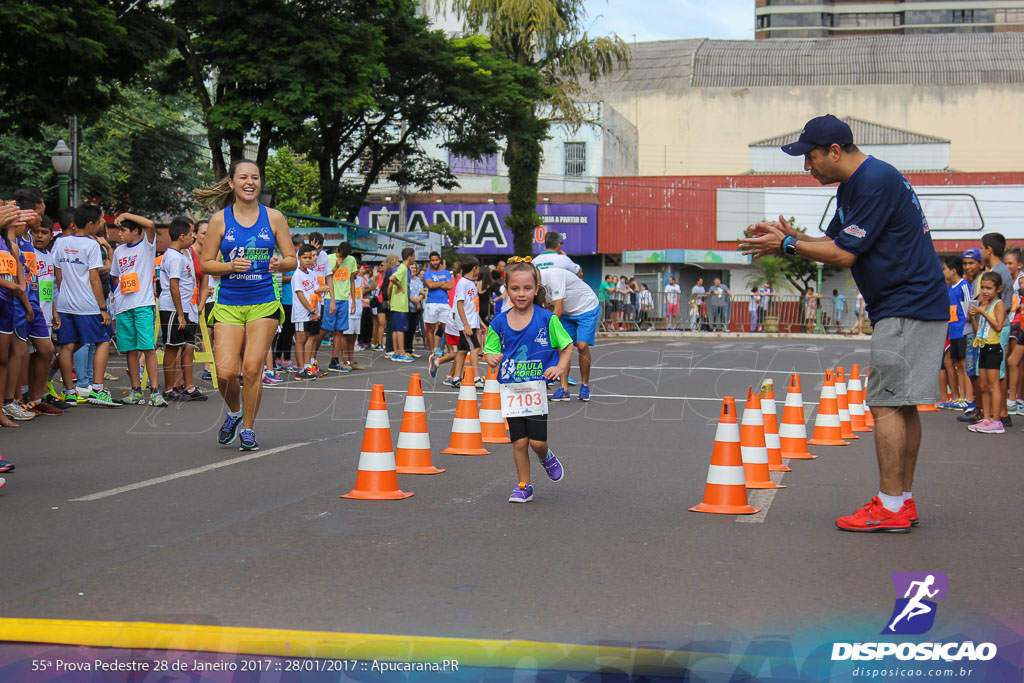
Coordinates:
<point>575,158</point>
<point>469,166</point>
<point>868,20</point>
<point>1006,16</point>
<point>764,21</point>
<point>799,19</point>
<point>963,16</point>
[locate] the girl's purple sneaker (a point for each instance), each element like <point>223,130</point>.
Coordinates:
<point>521,494</point>
<point>553,467</point>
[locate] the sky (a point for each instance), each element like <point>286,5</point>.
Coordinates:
<point>669,19</point>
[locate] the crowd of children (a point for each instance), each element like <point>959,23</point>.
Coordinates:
<point>981,371</point>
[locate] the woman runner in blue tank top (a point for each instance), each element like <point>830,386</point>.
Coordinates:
<point>239,247</point>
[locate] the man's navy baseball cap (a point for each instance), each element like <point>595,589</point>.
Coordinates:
<point>973,253</point>
<point>822,130</point>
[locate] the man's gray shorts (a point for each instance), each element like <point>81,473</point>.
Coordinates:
<point>906,355</point>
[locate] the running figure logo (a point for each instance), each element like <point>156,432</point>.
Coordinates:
<point>914,612</point>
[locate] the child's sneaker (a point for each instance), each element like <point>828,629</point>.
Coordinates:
<point>584,393</point>
<point>134,398</point>
<point>947,405</point>
<point>70,397</point>
<point>522,493</point>
<point>335,366</point>
<point>432,365</point>
<point>229,430</point>
<point>194,394</point>
<point>157,400</point>
<point>988,427</point>
<point>553,467</point>
<point>269,379</point>
<point>52,391</point>
<point>456,383</point>
<point>247,440</point>
<point>206,375</point>
<point>560,395</point>
<point>6,465</point>
<point>102,397</point>
<point>479,382</point>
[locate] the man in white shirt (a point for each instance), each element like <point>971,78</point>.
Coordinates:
<point>672,292</point>
<point>554,257</point>
<point>578,308</point>
<point>82,310</point>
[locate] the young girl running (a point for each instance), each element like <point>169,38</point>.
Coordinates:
<point>247,310</point>
<point>988,318</point>
<point>528,344</point>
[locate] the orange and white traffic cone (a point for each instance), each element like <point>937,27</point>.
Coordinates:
<point>466,436</point>
<point>843,401</point>
<point>771,432</point>
<point>855,394</point>
<point>412,456</point>
<point>827,430</point>
<point>725,492</point>
<point>752,446</point>
<point>493,426</point>
<point>377,478</point>
<point>793,430</point>
<point>868,417</point>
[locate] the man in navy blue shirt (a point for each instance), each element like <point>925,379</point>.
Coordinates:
<point>880,233</point>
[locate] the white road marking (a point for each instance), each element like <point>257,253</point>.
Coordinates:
<point>700,367</point>
<point>595,398</point>
<point>761,498</point>
<point>199,470</point>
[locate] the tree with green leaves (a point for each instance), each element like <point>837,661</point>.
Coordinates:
<point>546,35</point>
<point>454,238</point>
<point>64,57</point>
<point>139,154</point>
<point>295,181</point>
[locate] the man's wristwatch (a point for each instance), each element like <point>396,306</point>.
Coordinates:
<point>789,246</point>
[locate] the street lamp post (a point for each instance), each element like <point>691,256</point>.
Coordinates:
<point>60,156</point>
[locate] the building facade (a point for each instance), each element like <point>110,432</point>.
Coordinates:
<point>844,18</point>
<point>699,104</point>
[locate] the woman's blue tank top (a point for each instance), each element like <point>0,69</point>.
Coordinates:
<point>256,243</point>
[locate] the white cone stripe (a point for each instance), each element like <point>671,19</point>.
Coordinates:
<point>826,420</point>
<point>415,440</point>
<point>491,416</point>
<point>752,418</point>
<point>857,409</point>
<point>464,425</point>
<point>768,407</point>
<point>828,392</point>
<point>467,393</point>
<point>788,431</point>
<point>772,441</point>
<point>844,415</point>
<point>726,475</point>
<point>377,419</point>
<point>491,386</point>
<point>840,390</point>
<point>415,404</point>
<point>754,455</point>
<point>376,462</point>
<point>794,400</point>
<point>854,385</point>
<point>727,432</point>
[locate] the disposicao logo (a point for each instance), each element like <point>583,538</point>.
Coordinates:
<point>913,613</point>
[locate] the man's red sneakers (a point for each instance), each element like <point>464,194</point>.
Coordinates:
<point>911,508</point>
<point>874,517</point>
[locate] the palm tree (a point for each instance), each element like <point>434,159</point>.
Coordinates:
<point>546,35</point>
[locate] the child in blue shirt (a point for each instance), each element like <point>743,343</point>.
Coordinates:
<point>527,343</point>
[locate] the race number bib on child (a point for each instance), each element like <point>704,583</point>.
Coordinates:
<point>524,399</point>
<point>46,290</point>
<point>341,275</point>
<point>130,283</point>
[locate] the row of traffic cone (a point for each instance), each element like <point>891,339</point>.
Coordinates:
<point>380,464</point>
<point>744,455</point>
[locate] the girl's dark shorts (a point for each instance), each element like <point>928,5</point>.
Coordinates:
<point>534,427</point>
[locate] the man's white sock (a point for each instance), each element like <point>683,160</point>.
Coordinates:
<point>891,503</point>
<point>907,495</point>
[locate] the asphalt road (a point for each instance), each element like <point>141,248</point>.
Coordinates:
<point>608,554</point>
